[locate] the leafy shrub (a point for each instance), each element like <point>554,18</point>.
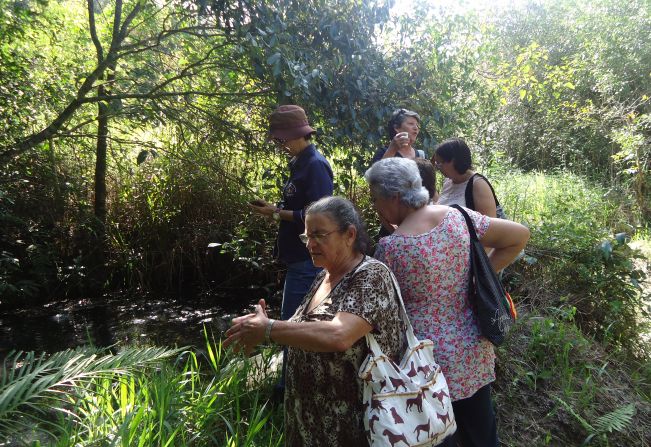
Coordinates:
<point>574,257</point>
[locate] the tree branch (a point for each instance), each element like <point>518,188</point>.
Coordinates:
<point>93,31</point>
<point>92,99</point>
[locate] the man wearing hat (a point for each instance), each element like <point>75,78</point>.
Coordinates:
<point>310,178</point>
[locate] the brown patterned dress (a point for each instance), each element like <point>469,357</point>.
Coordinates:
<point>323,397</point>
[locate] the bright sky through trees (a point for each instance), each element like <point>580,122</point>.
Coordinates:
<point>458,6</point>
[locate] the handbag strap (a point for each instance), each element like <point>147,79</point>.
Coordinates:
<point>470,198</point>
<point>412,341</point>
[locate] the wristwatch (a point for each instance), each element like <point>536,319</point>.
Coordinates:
<point>276,214</point>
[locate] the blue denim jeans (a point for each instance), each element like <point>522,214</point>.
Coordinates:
<point>299,278</point>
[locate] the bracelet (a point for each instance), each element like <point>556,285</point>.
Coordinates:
<point>267,331</point>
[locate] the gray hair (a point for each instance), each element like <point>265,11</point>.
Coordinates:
<point>344,214</point>
<point>397,118</point>
<point>398,176</point>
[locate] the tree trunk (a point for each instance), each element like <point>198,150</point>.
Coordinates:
<point>58,197</point>
<point>100,163</point>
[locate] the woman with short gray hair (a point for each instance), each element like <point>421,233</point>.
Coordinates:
<point>402,130</point>
<point>398,177</point>
<point>429,253</point>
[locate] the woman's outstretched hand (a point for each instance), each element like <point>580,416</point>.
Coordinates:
<point>247,331</point>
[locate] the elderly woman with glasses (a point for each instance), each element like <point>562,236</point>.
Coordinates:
<point>429,253</point>
<point>402,128</point>
<point>352,296</point>
<point>310,178</point>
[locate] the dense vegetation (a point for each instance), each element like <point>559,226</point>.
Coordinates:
<point>132,133</point>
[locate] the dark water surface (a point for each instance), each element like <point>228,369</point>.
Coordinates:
<point>126,319</point>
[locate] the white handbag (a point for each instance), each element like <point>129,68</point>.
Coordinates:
<point>407,404</point>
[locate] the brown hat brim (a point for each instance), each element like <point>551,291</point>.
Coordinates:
<point>291,134</point>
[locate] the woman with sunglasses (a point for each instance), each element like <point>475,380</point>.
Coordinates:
<point>402,128</point>
<point>310,178</point>
<point>352,296</point>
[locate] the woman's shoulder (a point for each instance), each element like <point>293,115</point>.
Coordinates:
<point>372,269</point>
<point>481,180</point>
<point>316,158</point>
<point>371,264</point>
<point>430,219</point>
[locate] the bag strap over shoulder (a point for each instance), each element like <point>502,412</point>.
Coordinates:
<point>470,200</point>
<point>469,224</point>
<point>411,337</point>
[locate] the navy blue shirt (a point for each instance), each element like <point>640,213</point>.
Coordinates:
<point>310,179</point>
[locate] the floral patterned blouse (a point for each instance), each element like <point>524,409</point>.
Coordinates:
<point>323,394</point>
<point>432,270</point>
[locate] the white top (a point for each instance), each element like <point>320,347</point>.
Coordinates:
<point>453,193</point>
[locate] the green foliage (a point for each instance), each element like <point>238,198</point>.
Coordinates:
<point>574,392</point>
<point>140,396</point>
<point>573,85</point>
<point>18,21</point>
<point>579,254</point>
<point>617,420</point>
<point>553,344</point>
<point>30,383</point>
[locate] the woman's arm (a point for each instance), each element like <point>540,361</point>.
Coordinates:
<point>483,198</point>
<point>320,336</point>
<point>267,209</point>
<point>507,238</point>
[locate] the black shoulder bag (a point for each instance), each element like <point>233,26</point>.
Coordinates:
<point>492,304</point>
<point>470,200</point>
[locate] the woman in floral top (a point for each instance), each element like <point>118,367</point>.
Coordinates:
<point>429,254</point>
<point>353,295</point>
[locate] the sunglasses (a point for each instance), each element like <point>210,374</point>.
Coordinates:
<point>279,141</point>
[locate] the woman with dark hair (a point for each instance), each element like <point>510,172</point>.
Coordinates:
<point>402,128</point>
<point>428,176</point>
<point>462,186</point>
<point>352,296</point>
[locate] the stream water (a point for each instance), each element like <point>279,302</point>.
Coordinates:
<point>125,320</point>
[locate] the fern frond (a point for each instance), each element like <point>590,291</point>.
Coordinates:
<point>28,381</point>
<point>617,420</point>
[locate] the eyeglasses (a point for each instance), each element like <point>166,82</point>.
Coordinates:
<point>316,237</point>
<point>279,141</point>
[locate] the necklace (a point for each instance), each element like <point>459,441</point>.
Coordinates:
<point>305,309</point>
